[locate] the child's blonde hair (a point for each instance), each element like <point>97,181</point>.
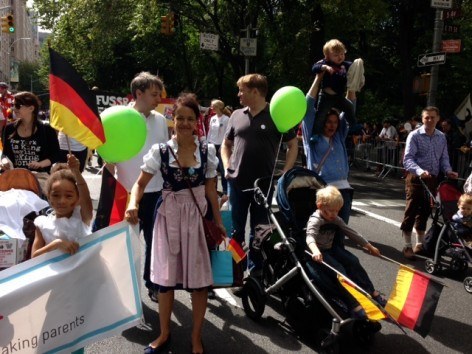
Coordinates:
<point>465,198</point>
<point>333,45</point>
<point>329,196</point>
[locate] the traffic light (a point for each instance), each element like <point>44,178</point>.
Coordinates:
<point>165,25</point>
<point>8,25</point>
<point>171,20</point>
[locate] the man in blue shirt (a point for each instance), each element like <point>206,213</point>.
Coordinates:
<point>425,157</point>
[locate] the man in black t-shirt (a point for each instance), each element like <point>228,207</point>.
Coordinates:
<point>249,152</point>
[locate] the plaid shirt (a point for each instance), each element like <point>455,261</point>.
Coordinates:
<point>426,153</point>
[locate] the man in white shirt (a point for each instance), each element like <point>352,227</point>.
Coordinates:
<point>146,90</point>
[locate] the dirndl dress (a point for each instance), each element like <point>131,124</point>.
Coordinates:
<point>180,258</point>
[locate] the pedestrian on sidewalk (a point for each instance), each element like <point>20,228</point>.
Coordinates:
<point>146,90</point>
<point>426,156</point>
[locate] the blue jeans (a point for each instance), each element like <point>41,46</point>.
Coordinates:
<point>146,216</point>
<point>349,265</point>
<point>242,203</point>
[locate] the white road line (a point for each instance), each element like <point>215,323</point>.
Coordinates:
<point>225,295</point>
<point>377,216</point>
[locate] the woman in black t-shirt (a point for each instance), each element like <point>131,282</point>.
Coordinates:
<point>29,143</point>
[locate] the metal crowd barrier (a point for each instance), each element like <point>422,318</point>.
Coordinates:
<point>387,157</point>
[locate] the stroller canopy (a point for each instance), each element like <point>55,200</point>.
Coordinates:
<point>301,179</point>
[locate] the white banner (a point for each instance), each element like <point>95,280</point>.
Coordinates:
<point>58,303</point>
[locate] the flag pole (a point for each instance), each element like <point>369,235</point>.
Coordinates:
<point>412,269</point>
<point>68,144</point>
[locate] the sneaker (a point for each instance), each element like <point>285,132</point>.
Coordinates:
<point>418,249</point>
<point>380,299</point>
<point>408,253</point>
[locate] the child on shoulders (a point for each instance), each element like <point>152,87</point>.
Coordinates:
<point>69,197</point>
<point>320,238</point>
<point>334,83</point>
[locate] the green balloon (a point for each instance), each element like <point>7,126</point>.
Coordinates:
<point>287,108</point>
<point>125,133</point>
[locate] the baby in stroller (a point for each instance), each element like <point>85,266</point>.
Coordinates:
<point>462,220</point>
<point>326,245</point>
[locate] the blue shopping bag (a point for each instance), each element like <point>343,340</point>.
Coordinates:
<point>222,268</point>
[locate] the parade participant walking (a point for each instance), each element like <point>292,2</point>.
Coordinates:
<point>425,157</point>
<point>217,128</point>
<point>6,102</point>
<point>327,153</point>
<point>249,152</point>
<point>180,256</point>
<point>146,90</point>
<point>69,197</point>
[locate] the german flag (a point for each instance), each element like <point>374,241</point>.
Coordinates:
<point>414,299</point>
<point>374,313</point>
<point>112,203</point>
<point>73,107</point>
<point>238,252</point>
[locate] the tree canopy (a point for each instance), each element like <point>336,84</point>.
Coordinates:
<point>109,41</point>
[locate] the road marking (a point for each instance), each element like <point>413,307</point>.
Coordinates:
<point>379,203</point>
<point>377,216</point>
<point>225,295</point>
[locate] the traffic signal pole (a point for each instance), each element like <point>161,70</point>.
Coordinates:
<point>433,84</point>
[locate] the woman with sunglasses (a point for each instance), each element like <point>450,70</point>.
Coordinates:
<point>29,143</point>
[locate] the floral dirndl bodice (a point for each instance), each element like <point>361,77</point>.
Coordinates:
<point>176,178</point>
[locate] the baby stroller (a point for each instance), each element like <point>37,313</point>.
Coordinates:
<point>442,243</point>
<point>285,273</point>
<point>20,204</point>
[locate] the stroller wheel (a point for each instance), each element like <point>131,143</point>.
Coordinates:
<point>329,342</point>
<point>458,264</point>
<point>364,331</point>
<point>468,284</point>
<point>253,299</point>
<point>432,268</point>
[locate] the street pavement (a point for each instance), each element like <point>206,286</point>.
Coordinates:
<point>377,213</point>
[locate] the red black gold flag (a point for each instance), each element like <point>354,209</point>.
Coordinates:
<point>73,107</point>
<point>112,203</point>
<point>414,299</point>
<point>236,250</point>
<point>374,313</point>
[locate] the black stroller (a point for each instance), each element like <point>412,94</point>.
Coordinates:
<point>285,273</point>
<point>443,243</point>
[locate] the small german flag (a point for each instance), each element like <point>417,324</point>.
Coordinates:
<point>374,313</point>
<point>238,252</point>
<point>112,203</point>
<point>414,299</point>
<point>73,107</point>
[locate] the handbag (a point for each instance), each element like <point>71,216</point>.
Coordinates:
<point>213,234</point>
<point>222,268</point>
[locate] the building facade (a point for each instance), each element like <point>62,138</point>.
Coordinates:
<point>20,45</point>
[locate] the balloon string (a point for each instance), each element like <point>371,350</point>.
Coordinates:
<point>275,166</point>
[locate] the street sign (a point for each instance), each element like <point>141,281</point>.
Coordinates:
<point>451,29</point>
<point>248,46</point>
<point>209,41</point>
<point>451,14</point>
<point>431,59</point>
<point>441,4</point>
<point>451,46</point>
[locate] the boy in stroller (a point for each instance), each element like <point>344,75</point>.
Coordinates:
<point>324,245</point>
<point>462,220</point>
